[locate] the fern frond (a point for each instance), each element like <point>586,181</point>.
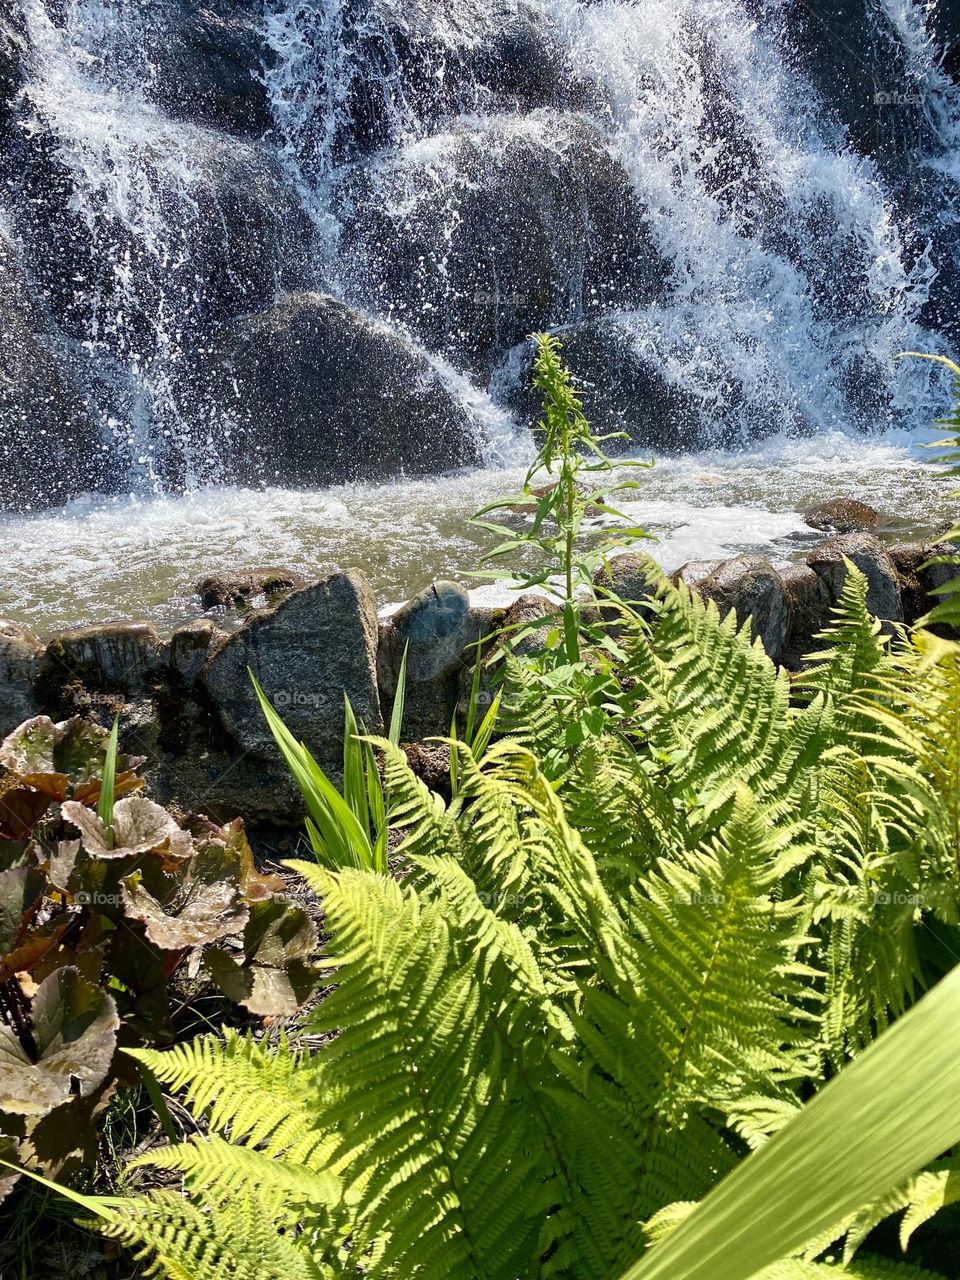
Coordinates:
<point>426,1086</point>
<point>852,645</point>
<point>233,1241</point>
<point>264,1095</point>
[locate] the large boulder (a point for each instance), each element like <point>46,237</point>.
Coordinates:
<point>118,658</point>
<point>207,60</point>
<point>624,387</point>
<point>853,52</point>
<point>403,63</point>
<point>933,577</point>
<point>50,449</point>
<point>323,393</point>
<point>190,648</point>
<point>809,601</point>
<point>752,588</point>
<point>870,556</point>
<point>313,649</point>
<point>19,654</point>
<point>205,225</point>
<point>907,559</point>
<point>499,228</point>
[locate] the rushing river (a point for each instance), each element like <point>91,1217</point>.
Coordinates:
<point>133,558</point>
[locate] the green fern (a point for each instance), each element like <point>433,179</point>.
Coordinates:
<point>608,969</point>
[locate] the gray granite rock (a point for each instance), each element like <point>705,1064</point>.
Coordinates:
<point>317,646</point>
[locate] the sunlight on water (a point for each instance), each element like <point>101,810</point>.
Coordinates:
<point>127,558</point>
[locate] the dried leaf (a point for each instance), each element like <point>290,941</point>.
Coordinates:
<point>38,953</point>
<point>125,784</point>
<point>21,808</point>
<point>255,886</point>
<point>75,1030</point>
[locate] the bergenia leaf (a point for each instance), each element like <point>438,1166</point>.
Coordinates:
<point>20,892</point>
<point>74,1027</point>
<point>52,757</point>
<point>204,913</point>
<point>139,826</point>
<point>21,808</point>
<point>276,975</point>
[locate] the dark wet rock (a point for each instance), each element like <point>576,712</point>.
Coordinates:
<point>539,226</point>
<point>430,761</point>
<point>214,230</point>
<point>842,515</point>
<point>753,589</point>
<point>450,57</point>
<point>324,393</point>
<point>749,586</point>
<point>853,53</point>
<point>209,59</point>
<point>872,559</point>
<point>13,46</point>
<point>695,573</point>
<point>628,577</point>
<point>433,629</point>
<point>191,646</point>
<point>934,576</point>
<point>317,646</point>
<point>907,558</point>
<point>115,659</point>
<point>639,400</point>
<point>19,656</point>
<point>518,626</point>
<point>49,446</point>
<point>438,630</point>
<point>809,602</point>
<point>246,588</point>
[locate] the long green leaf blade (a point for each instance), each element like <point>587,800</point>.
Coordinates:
<point>885,1116</point>
<point>108,783</point>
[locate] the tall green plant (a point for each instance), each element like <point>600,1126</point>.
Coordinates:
<point>948,610</point>
<point>588,997</point>
<point>569,462</point>
<point>108,783</point>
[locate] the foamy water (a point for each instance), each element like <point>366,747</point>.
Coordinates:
<point>127,558</point>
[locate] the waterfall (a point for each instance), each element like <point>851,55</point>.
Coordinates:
<point>681,188</point>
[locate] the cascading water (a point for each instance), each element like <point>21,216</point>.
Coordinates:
<point>681,187</point>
